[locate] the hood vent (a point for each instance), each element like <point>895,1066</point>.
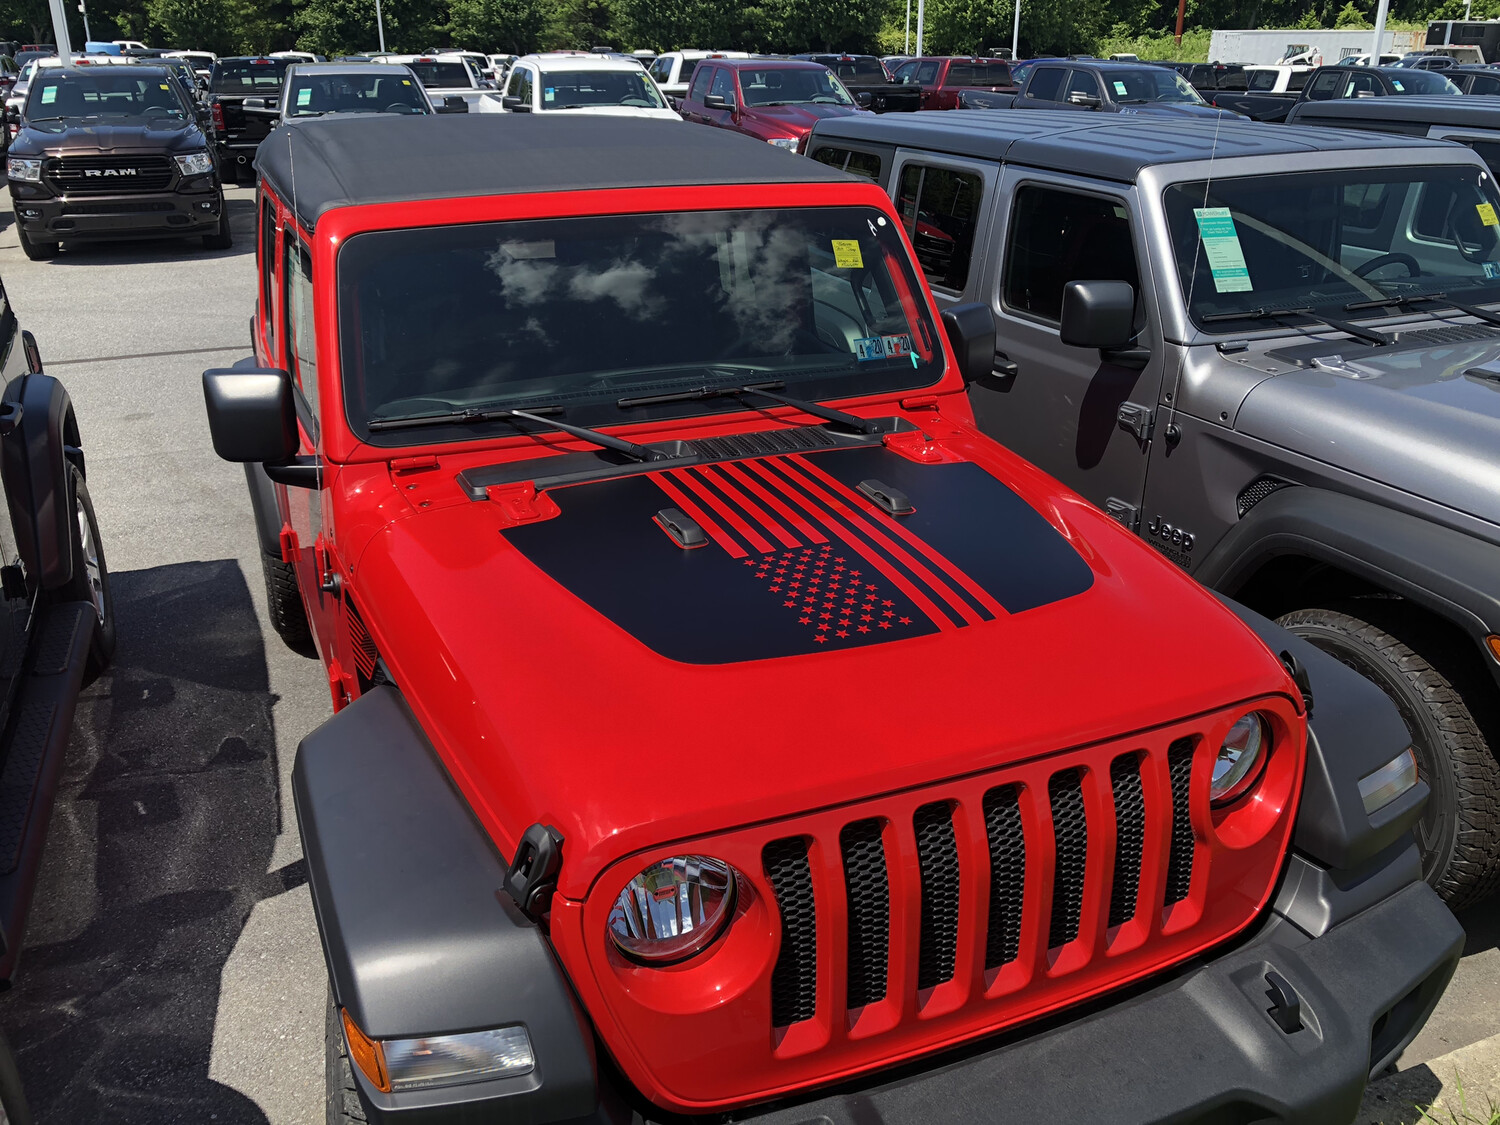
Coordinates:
<point>1450,334</point>
<point>765,444</point>
<point>1257,490</point>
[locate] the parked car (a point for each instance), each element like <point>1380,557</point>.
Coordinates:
<point>1279,78</point>
<point>660,509</point>
<point>774,100</point>
<point>112,152</point>
<point>1301,423</point>
<point>869,83</point>
<point>1433,60</point>
<point>450,80</point>
<point>673,71</point>
<point>577,83</point>
<point>1212,76</point>
<point>1368,60</point>
<point>320,89</point>
<point>942,80</point>
<point>1481,80</point>
<point>57,629</point>
<point>242,95</point>
<point>1107,87</point>
<point>1330,82</point>
<point>202,62</point>
<point>298,56</point>
<point>1472,122</point>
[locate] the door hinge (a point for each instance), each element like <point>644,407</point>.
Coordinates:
<point>1136,420</point>
<point>1123,513</point>
<point>328,575</point>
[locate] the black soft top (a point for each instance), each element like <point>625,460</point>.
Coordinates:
<point>1111,146</point>
<point>348,160</point>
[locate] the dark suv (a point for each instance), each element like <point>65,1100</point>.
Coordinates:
<point>112,152</point>
<point>243,94</point>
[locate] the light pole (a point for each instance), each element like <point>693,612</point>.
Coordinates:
<point>1015,34</point>
<point>380,26</point>
<point>60,30</point>
<point>87,34</point>
<point>921,11</point>
<point>1378,46</point>
<point>906,45</point>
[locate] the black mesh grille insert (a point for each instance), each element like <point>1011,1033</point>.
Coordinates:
<point>1071,831</point>
<point>937,857</point>
<point>769,442</point>
<point>1180,859</point>
<point>1449,334</point>
<point>1130,837</point>
<point>869,889</point>
<point>794,980</point>
<point>1002,825</point>
<point>1257,490</point>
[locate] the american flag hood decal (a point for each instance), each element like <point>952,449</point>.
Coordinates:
<point>798,559</point>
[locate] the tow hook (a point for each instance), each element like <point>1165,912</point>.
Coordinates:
<point>533,873</point>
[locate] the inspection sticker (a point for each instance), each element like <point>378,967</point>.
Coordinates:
<point>1491,269</point>
<point>1396,82</point>
<point>164,86</point>
<point>897,346</point>
<point>406,81</point>
<point>49,95</point>
<point>846,255</point>
<point>1221,242</point>
<point>304,97</point>
<point>1120,89</point>
<point>1487,214</point>
<point>869,347</point>
<point>548,93</point>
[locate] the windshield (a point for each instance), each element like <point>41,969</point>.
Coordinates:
<point>248,76</point>
<point>1323,240</point>
<point>585,89</point>
<point>442,75</point>
<point>94,93</point>
<point>580,313</point>
<point>312,94</point>
<point>1423,82</point>
<point>1150,84</point>
<point>792,86</point>
<point>1262,79</point>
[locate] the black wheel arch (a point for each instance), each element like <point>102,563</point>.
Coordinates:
<point>1452,575</point>
<point>38,453</point>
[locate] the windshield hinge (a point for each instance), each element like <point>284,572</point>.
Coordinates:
<point>413,464</point>
<point>1136,420</point>
<point>1123,512</point>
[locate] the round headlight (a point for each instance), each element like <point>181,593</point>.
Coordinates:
<point>673,909</point>
<point>1239,758</point>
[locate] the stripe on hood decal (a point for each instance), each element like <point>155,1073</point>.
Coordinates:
<point>737,473</point>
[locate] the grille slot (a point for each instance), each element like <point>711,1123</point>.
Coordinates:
<point>1071,832</point>
<point>1180,858</point>
<point>120,207</point>
<point>794,980</point>
<point>361,645</point>
<point>1130,837</point>
<point>108,175</point>
<point>1449,334</point>
<point>1007,840</point>
<point>1256,491</point>
<point>937,858</point>
<point>867,883</point>
<point>766,443</point>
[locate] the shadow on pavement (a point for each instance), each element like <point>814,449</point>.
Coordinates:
<point>133,252</point>
<point>165,820</point>
<point>1481,925</point>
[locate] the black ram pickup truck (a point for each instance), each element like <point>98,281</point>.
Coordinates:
<point>865,78</point>
<point>1333,82</point>
<point>1101,87</point>
<point>239,128</point>
<point>112,152</point>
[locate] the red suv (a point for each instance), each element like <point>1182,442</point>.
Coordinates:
<point>724,726</point>
<point>775,100</point>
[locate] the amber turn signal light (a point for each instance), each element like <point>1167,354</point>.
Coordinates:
<point>1494,642</point>
<point>366,1054</point>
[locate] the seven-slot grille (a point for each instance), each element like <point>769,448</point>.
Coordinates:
<point>1080,814</point>
<point>107,175</point>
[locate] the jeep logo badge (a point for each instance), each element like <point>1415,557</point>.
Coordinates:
<point>110,171</point>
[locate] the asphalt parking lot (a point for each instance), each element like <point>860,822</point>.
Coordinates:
<point>172,970</point>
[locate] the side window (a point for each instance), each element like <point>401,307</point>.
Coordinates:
<point>513,87</point>
<point>724,85</point>
<point>1061,236</point>
<point>1231,80</point>
<point>926,73</point>
<point>1084,83</point>
<point>268,270</point>
<point>1484,84</point>
<point>700,83</point>
<point>301,346</point>
<point>685,75</point>
<point>528,87</point>
<point>1324,85</point>
<point>865,164</point>
<point>939,209</point>
<point>1046,83</point>
<point>661,69</point>
<point>1296,80</point>
<point>1362,86</point>
<point>1489,152</point>
<point>907,73</point>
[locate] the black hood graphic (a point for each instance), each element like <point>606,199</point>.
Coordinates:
<point>798,560</point>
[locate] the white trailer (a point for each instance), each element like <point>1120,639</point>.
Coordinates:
<point>1273,46</point>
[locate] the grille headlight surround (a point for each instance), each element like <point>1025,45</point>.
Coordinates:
<point>195,163</point>
<point>24,169</point>
<point>673,909</point>
<point>1380,788</point>
<point>1240,757</point>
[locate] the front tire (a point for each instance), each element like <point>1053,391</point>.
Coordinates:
<point>284,605</point>
<point>36,251</point>
<point>1433,686</point>
<point>343,1097</point>
<point>90,581</point>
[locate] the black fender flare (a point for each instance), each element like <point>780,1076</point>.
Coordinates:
<point>401,873</point>
<point>1456,576</point>
<point>268,521</point>
<point>37,454</point>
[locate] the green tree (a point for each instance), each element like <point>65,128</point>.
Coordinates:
<point>511,26</point>
<point>346,27</point>
<point>207,25</point>
<point>1350,16</point>
<point>577,25</point>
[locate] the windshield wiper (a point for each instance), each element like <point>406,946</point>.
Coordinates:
<point>1356,330</point>
<point>474,414</point>
<point>817,410</point>
<point>1406,300</point>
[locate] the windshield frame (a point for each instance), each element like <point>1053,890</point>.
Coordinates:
<point>343,442</point>
<point>35,90</point>
<point>816,69</point>
<point>1153,183</point>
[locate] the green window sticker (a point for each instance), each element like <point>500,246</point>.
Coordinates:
<point>49,95</point>
<point>1120,89</point>
<point>304,96</point>
<point>1221,244</point>
<point>1396,82</point>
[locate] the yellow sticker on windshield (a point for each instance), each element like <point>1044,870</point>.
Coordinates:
<point>1487,215</point>
<point>164,86</point>
<point>406,81</point>
<point>846,255</point>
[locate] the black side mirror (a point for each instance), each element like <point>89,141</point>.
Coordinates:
<point>454,104</point>
<point>715,101</point>
<point>514,104</point>
<point>1098,314</point>
<point>864,98</point>
<point>1087,101</point>
<point>971,331</point>
<point>251,414</point>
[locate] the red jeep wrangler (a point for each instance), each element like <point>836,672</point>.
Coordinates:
<point>706,748</point>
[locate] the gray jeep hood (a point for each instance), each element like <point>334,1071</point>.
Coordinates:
<point>1413,419</point>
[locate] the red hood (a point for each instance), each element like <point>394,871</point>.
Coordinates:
<point>586,672</point>
<point>796,119</point>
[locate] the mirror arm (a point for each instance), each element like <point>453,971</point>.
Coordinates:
<point>299,472</point>
<point>1131,355</point>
